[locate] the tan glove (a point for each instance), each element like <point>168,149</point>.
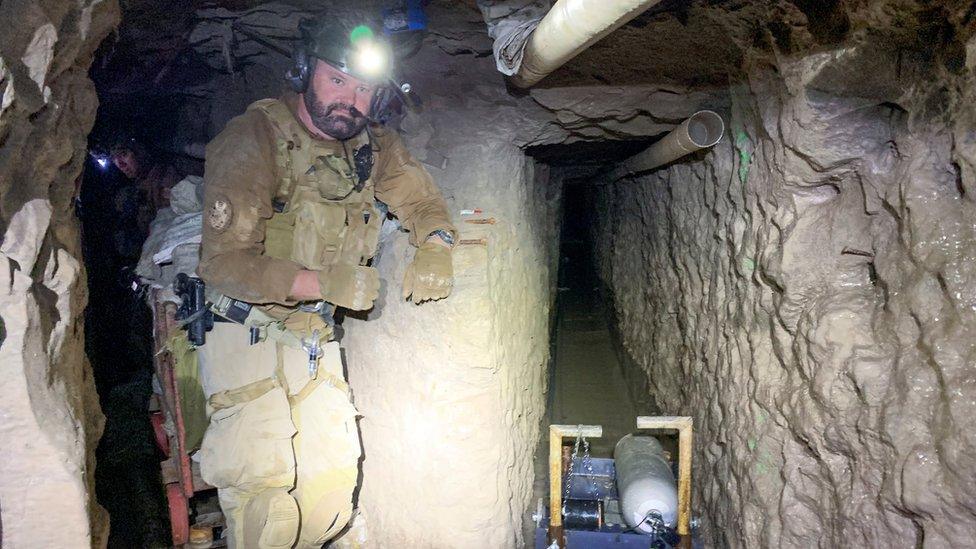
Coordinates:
<point>431,275</point>
<point>350,286</point>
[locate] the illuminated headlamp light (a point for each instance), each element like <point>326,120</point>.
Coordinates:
<point>371,60</point>
<point>103,160</point>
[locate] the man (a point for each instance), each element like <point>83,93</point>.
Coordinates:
<point>290,224</point>
<point>137,202</point>
<point>155,179</point>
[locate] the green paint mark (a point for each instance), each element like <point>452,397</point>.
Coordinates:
<point>741,138</point>
<point>745,158</point>
<point>748,264</point>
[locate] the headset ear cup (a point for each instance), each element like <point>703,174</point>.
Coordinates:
<point>297,75</point>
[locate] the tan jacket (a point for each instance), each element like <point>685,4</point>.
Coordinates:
<point>241,179</point>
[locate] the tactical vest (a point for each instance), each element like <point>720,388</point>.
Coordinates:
<point>325,213</point>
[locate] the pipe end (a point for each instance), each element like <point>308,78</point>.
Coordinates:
<point>705,128</point>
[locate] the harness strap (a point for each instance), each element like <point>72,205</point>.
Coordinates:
<point>249,392</point>
<point>257,389</point>
<point>321,377</point>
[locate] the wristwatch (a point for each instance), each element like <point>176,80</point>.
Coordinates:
<point>443,235</point>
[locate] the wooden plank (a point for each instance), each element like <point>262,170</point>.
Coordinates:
<point>682,424</point>
<point>588,431</point>
<point>556,435</point>
<point>555,477</point>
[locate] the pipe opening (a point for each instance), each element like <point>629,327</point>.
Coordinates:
<point>705,128</point>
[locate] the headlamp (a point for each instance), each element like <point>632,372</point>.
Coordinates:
<point>370,59</point>
<point>103,160</point>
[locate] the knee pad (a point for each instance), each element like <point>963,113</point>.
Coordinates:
<point>271,520</point>
<point>326,519</point>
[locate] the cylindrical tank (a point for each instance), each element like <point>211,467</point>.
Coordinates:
<point>645,482</point>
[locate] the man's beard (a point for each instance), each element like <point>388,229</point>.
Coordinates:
<point>337,120</point>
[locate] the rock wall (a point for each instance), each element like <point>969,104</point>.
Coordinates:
<point>807,292</point>
<point>452,392</point>
<point>49,415</point>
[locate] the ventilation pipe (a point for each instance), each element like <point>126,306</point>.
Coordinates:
<point>703,129</point>
<point>570,27</point>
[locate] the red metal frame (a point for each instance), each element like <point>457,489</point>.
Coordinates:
<point>177,469</point>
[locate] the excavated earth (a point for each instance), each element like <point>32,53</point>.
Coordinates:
<point>806,289</point>
<point>50,420</point>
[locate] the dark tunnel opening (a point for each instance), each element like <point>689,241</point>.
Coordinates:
<point>136,155</point>
<point>592,378</point>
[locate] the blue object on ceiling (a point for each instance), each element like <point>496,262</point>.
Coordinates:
<point>405,17</point>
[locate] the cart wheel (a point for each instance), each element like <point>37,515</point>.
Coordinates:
<point>179,514</point>
<point>162,438</point>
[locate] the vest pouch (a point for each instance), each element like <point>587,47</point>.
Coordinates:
<point>320,228</point>
<point>279,234</point>
<point>362,234</point>
<point>333,177</point>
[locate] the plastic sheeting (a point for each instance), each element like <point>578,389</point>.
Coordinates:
<point>173,245</point>
<point>510,23</point>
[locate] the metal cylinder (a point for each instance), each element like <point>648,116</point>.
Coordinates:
<point>583,514</point>
<point>645,482</point>
<point>702,129</point>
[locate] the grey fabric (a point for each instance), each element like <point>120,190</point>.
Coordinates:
<point>173,245</point>
<point>510,23</point>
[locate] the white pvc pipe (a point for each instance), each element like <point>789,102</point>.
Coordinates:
<point>570,27</point>
<point>702,129</point>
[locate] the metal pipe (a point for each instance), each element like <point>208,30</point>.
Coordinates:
<point>570,27</point>
<point>702,129</point>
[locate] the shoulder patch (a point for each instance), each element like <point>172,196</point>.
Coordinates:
<point>219,214</point>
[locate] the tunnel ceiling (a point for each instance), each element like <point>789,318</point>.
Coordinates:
<point>704,43</point>
<point>694,44</point>
<point>637,82</point>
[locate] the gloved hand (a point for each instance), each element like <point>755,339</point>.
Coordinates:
<point>431,275</point>
<point>350,286</point>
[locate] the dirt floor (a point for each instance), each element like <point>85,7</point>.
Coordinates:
<point>587,385</point>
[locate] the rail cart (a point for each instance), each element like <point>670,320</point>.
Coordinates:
<point>193,514</point>
<point>592,517</point>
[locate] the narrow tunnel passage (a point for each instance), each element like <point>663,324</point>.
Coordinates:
<point>802,291</point>
<point>587,383</point>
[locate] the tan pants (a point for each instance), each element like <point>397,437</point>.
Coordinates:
<point>307,446</point>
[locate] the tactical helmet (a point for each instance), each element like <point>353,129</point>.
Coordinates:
<point>357,51</point>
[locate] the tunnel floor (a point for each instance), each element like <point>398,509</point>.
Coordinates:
<point>587,384</point>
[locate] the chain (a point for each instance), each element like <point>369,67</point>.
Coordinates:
<point>587,464</point>
<point>572,460</point>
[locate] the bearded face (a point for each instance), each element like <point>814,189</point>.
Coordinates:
<point>335,119</point>
<point>337,102</point>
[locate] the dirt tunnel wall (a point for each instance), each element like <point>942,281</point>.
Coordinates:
<point>805,291</point>
<point>49,415</point>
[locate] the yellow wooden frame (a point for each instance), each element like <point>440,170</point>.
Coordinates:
<point>556,435</point>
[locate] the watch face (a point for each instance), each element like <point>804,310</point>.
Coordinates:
<point>444,235</point>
